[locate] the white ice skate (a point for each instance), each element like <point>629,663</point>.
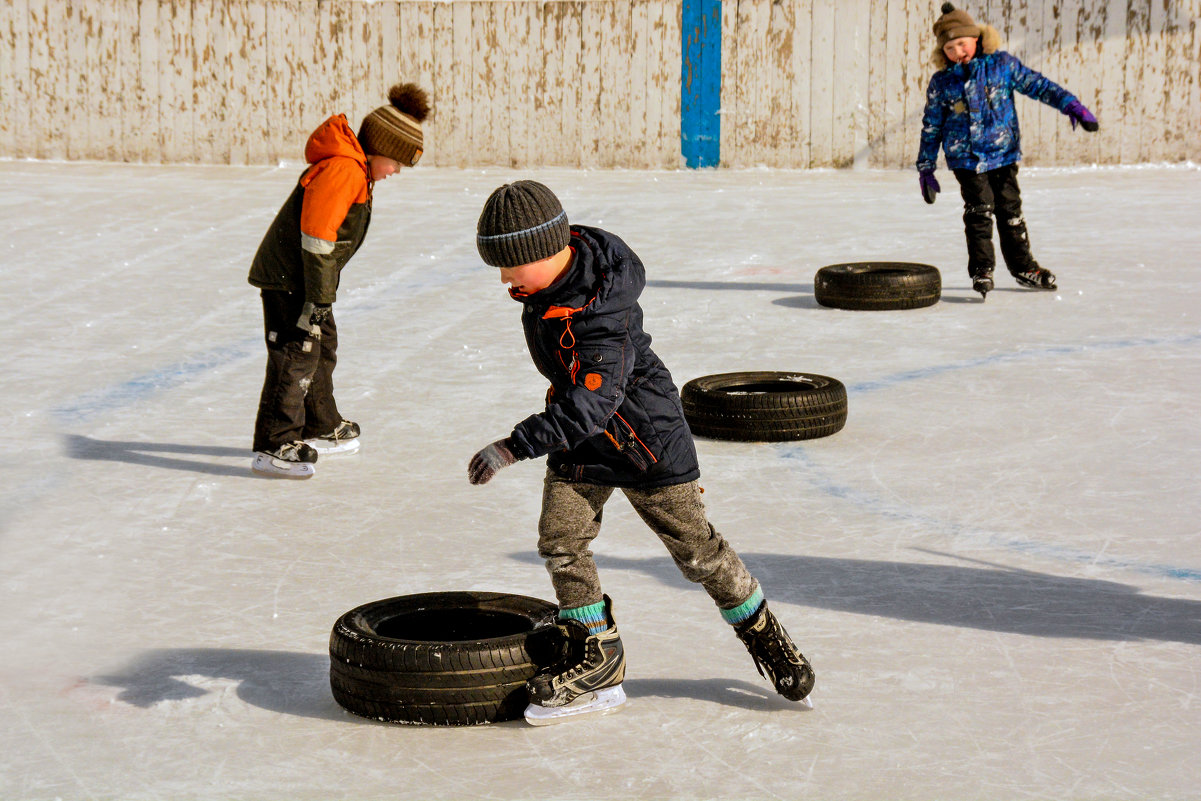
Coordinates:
<point>343,439</point>
<point>294,460</point>
<point>598,702</point>
<point>329,447</point>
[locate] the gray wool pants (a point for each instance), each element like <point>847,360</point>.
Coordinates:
<point>571,519</point>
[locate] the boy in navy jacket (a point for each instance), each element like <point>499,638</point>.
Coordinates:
<point>613,419</point>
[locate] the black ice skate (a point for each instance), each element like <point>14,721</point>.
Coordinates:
<point>586,679</point>
<point>294,460</point>
<point>1035,277</point>
<point>983,284</point>
<point>343,439</point>
<point>776,656</point>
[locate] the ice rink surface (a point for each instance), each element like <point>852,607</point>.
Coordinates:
<point>995,567</point>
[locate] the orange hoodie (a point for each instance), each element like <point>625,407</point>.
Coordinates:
<point>338,178</point>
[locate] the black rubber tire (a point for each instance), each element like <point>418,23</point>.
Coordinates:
<point>765,406</point>
<point>441,658</point>
<point>877,285</point>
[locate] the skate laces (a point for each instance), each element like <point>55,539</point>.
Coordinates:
<point>343,430</point>
<point>289,452</point>
<point>775,652</point>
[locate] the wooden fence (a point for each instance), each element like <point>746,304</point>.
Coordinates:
<point>589,83</point>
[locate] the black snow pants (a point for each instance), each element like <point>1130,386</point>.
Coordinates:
<point>985,194</point>
<point>298,392</point>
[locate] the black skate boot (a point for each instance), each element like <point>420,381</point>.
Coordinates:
<point>343,439</point>
<point>982,283</point>
<point>1035,277</point>
<point>586,679</point>
<point>776,656</point>
<point>294,460</point>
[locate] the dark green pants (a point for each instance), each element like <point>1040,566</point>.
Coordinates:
<point>571,519</point>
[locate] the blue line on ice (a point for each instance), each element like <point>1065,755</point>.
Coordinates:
<point>118,396</point>
<point>873,504</point>
<point>1002,358</point>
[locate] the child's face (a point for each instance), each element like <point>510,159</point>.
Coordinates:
<point>382,166</point>
<point>961,50</point>
<point>538,275</point>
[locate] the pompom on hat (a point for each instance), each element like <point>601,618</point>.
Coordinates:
<point>953,24</point>
<point>522,222</point>
<point>394,130</point>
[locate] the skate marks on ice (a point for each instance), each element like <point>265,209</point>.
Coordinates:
<point>1044,549</point>
<point>1035,604</point>
<point>146,454</point>
<point>278,681</point>
<point>738,694</point>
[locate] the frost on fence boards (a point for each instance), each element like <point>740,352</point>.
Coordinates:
<point>805,83</point>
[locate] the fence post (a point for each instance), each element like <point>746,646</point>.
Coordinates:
<point>700,83</point>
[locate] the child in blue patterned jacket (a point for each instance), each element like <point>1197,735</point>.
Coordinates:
<point>970,113</point>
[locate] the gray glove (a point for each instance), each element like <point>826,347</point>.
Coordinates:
<point>488,462</point>
<point>313,314</point>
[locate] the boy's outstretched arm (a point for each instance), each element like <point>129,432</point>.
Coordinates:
<point>1034,84</point>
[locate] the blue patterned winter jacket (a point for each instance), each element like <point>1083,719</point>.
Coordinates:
<point>970,112</point>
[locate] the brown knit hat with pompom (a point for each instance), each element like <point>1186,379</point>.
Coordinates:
<point>953,24</point>
<point>394,130</point>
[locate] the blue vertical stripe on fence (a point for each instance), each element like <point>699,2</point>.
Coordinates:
<point>700,83</point>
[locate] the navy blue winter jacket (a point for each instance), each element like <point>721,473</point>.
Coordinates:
<point>970,112</point>
<point>613,415</point>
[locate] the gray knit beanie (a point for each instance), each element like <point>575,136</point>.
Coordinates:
<point>522,222</point>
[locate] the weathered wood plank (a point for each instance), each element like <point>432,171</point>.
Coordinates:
<point>209,110</point>
<point>418,67</point>
<point>73,78</point>
<point>1177,46</point>
<point>875,121</point>
<point>663,104</point>
<point>1153,142</point>
<point>919,69</point>
<point>822,85</point>
<point>1191,108</point>
<point>254,54</point>
<point>587,97</point>
<point>1134,99</point>
<point>15,123</point>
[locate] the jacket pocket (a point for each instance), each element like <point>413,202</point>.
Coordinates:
<point>623,438</point>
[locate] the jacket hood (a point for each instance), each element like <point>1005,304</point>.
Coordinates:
<point>605,276</point>
<point>333,138</point>
<point>990,42</point>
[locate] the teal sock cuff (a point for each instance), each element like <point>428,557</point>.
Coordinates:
<point>593,616</point>
<point>745,609</point>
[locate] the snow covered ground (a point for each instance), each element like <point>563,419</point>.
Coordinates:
<point>995,567</point>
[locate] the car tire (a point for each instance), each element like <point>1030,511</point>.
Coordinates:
<point>441,658</point>
<point>877,285</point>
<point>765,406</point>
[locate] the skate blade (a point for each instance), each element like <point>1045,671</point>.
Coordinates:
<point>601,702</point>
<point>264,465</point>
<point>325,447</point>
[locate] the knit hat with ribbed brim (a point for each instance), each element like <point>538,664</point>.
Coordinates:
<point>521,223</point>
<point>394,130</point>
<point>953,24</point>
